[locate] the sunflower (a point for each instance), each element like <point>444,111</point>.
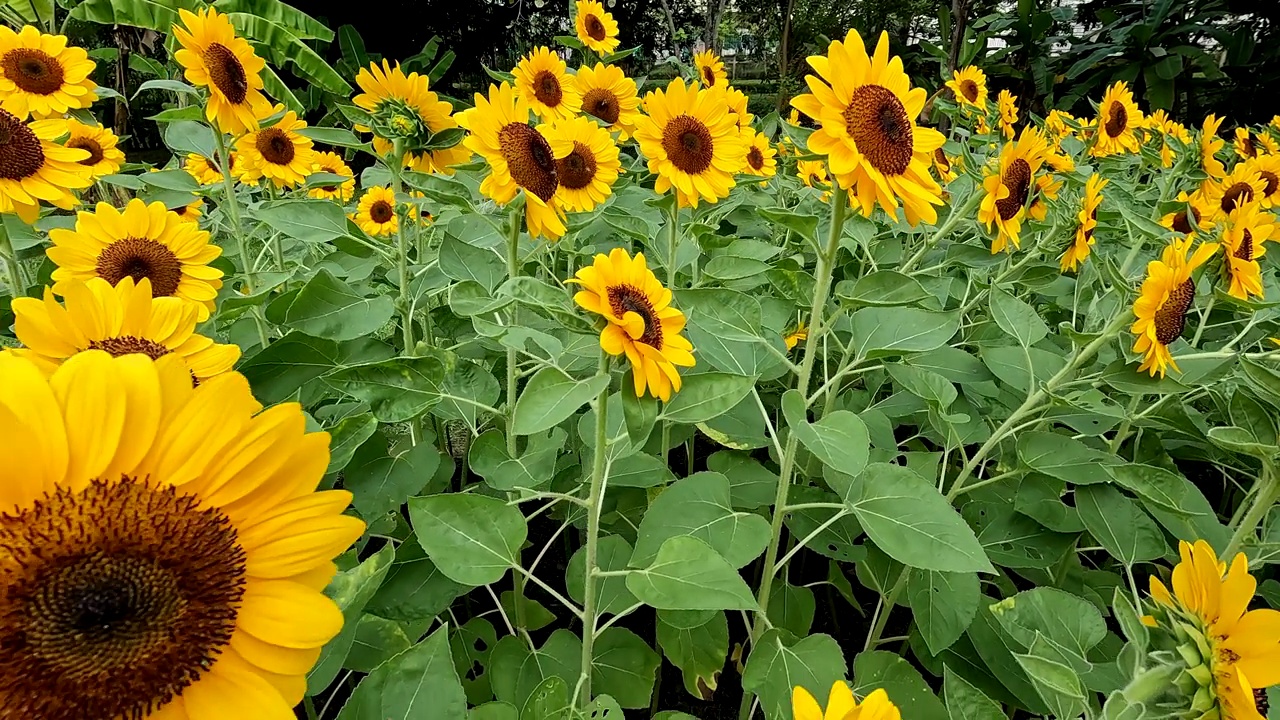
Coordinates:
<point>544,82</point>
<point>1244,237</point>
<point>165,548</point>
<point>41,76</point>
<point>1210,144</point>
<point>1118,115</point>
<point>1009,186</point>
<point>207,171</point>
<point>1210,606</point>
<point>1088,217</point>
<point>1268,168</point>
<point>738,106</point>
<point>866,128</point>
<point>328,162</point>
<point>796,336</point>
<point>34,168</point>
<point>1196,215</point>
<point>981,127</point>
<point>1251,146</point>
<point>760,154</point>
<point>191,211</point>
<point>376,212</point>
<point>1166,296</point>
<point>609,96</point>
<point>596,28</point>
<point>813,173</point>
<point>942,164</point>
<point>587,163</point>
<point>519,157</point>
<point>104,157</point>
<point>1007,104</point>
<point>1241,186</point>
<point>387,88</point>
<point>710,69</point>
<point>691,141</point>
<point>970,87</point>
<point>841,705</point>
<point>278,153</point>
<point>1160,123</point>
<point>1059,124</point>
<point>142,241</point>
<point>1047,187</point>
<point>642,324</point>
<point>213,57</point>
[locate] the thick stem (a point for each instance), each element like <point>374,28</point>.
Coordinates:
<point>513,269</point>
<point>673,237</point>
<point>395,163</point>
<point>232,207</point>
<point>957,214</point>
<point>595,495</point>
<point>1264,497</point>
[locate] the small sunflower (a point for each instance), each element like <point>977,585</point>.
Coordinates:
<point>796,336</point>
<point>691,141</point>
<point>1166,296</point>
<point>207,171</point>
<point>1007,104</point>
<point>710,69</point>
<point>596,28</point>
<point>587,163</point>
<point>328,162</point>
<point>942,164</point>
<point>376,212</point>
<point>1249,146</point>
<point>1118,116</point>
<point>104,157</point>
<point>609,96</point>
<point>41,76</point>
<point>1166,128</point>
<point>642,324</point>
<point>1047,187</point>
<point>970,87</point>
<point>1088,218</point>
<point>738,106</point>
<point>866,112</point>
<point>386,87</point>
<point>842,705</point>
<point>1268,168</point>
<point>278,153</point>
<point>1243,185</point>
<point>1059,124</point>
<point>1008,187</point>
<point>213,57</point>
<point>165,546</point>
<point>1244,237</point>
<point>519,157</point>
<point>543,80</point>
<point>813,173</point>
<point>35,169</point>
<point>760,158</point>
<point>141,241</point>
<point>191,211</point>
<point>1210,144</point>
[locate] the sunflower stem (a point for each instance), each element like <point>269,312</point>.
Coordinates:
<point>1264,496</point>
<point>395,164</point>
<point>673,237</point>
<point>513,270</point>
<point>17,279</point>
<point>1204,320</point>
<point>595,496</point>
<point>957,214</point>
<point>232,206</point>
<point>310,706</point>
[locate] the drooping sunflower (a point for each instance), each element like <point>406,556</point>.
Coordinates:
<point>207,171</point>
<point>329,162</point>
<point>41,76</point>
<point>710,69</point>
<point>165,548</point>
<point>610,96</point>
<point>587,163</point>
<point>1059,124</point>
<point>385,89</point>
<point>1118,116</point>
<point>1166,128</point>
<point>813,173</point>
<point>691,141</point>
<point>1046,188</point>
<point>190,212</point>
<point>942,164</point>
<point>981,127</point>
<point>866,112</point>
<point>738,106</point>
<point>213,57</point>
<point>1008,187</point>
<point>642,324</point>
<point>1162,305</point>
<point>596,28</point>
<point>376,212</point>
<point>278,153</point>
<point>969,84</point>
<point>760,158</point>
<point>543,80</point>
<point>842,705</point>
<point>1210,144</point>
<point>1268,168</point>
<point>1007,104</point>
<point>1241,186</point>
<point>1244,144</point>
<point>1079,250</point>
<point>104,157</point>
<point>519,157</point>
<point>796,336</point>
<point>1244,236</point>
<point>141,241</point>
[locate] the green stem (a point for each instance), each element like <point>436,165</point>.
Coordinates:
<point>232,206</point>
<point>310,706</point>
<point>673,236</point>
<point>17,278</point>
<point>595,496</point>
<point>1204,318</point>
<point>513,270</point>
<point>957,214</point>
<point>1123,432</point>
<point>886,607</point>
<point>396,162</point>
<point>1264,496</point>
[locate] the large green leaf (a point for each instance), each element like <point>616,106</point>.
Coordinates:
<point>613,553</point>
<point>878,669</point>
<point>396,390</point>
<point>381,483</point>
<point>700,506</point>
<point>1017,318</point>
<point>326,307</point>
<point>299,23</point>
<point>707,395</point>
<point>724,325</point>
<point>778,666</point>
<point>277,371</point>
<point>281,46</point>
<point>687,574</point>
<point>550,398</point>
<point>942,604</point>
<point>624,667</point>
<point>966,702</point>
<point>1119,525</point>
<point>419,682</point>
<point>699,651</point>
<point>839,439</point>
<point>158,15</point>
<point>351,590</point>
<point>313,221</point>
<point>885,331</point>
<point>473,539</point>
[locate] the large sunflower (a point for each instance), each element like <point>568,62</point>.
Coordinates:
<point>35,169</point>
<point>691,141</point>
<point>1007,105</point>
<point>165,548</point>
<point>609,96</point>
<point>1244,237</point>
<point>1268,168</point>
<point>329,162</point>
<point>104,157</point>
<point>42,76</point>
<point>376,212</point>
<point>1088,218</point>
<point>760,154</point>
<point>1166,296</point>
<point>1118,115</point>
<point>1008,187</point>
<point>842,705</point>
<point>1210,144</point>
<point>385,88</point>
<point>587,163</point>
<point>142,241</point>
<point>866,109</point>
<point>970,87</point>
<point>1243,185</point>
<point>207,172</point>
<point>596,28</point>
<point>543,80</point>
<point>710,69</point>
<point>278,153</point>
<point>519,158</point>
<point>213,57</point>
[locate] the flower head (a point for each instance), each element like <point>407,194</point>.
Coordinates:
<point>34,168</point>
<point>1118,116</point>
<point>692,142</point>
<point>104,157</point>
<point>969,84</point>
<point>1161,308</point>
<point>1245,234</point>
<point>332,163</point>
<point>1007,104</point>
<point>596,28</point>
<point>390,95</point>
<point>760,158</point>
<point>278,153</point>
<point>1009,186</point>
<point>609,96</point>
<point>41,76</point>
<point>842,705</point>
<point>376,212</point>
<point>543,81</point>
<point>213,56</point>
<point>1088,219</point>
<point>710,69</point>
<point>587,163</point>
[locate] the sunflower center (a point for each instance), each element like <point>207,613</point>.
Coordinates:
<point>969,89</point>
<point>141,258</point>
<point>602,104</point>
<point>33,71</point>
<point>755,158</point>
<point>275,146</point>
<point>628,298</point>
<point>940,158</point>
<point>381,212</point>
<point>595,28</point>
<point>1182,223</point>
<point>1236,195</point>
<point>130,345</point>
<point>1171,318</point>
<point>688,143</point>
<point>1250,149</point>
<point>226,72</point>
<point>1117,120</point>
<point>878,123</point>
<point>529,159</point>
<point>1245,251</point>
<point>1261,701</point>
<point>1272,182</point>
<point>115,599</point>
<point>708,76</point>
<point>577,169</point>
<point>1017,177</point>
<point>546,87</point>
<point>20,152</point>
<point>84,143</point>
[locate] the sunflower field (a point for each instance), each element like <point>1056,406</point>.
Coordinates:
<point>590,397</point>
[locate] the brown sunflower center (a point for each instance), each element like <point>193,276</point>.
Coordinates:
<point>1245,251</point>
<point>595,28</point>
<point>755,158</point>
<point>940,158</point>
<point>113,600</point>
<point>878,123</point>
<point>1271,182</point>
<point>1182,223</point>
<point>130,345</point>
<point>141,258</point>
<point>546,87</point>
<point>1171,318</point>
<point>628,298</point>
<point>1250,149</point>
<point>20,152</point>
<point>1017,177</point>
<point>33,71</point>
<point>275,146</point>
<point>381,212</point>
<point>969,89</point>
<point>577,169</point>
<point>688,143</point>
<point>603,104</point>
<point>84,143</point>
<point>1261,701</point>
<point>1236,195</point>
<point>1117,120</point>
<point>708,75</point>
<point>529,159</point>
<point>226,73</point>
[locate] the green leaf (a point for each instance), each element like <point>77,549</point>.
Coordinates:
<point>488,459</point>
<point>338,137</point>
<point>1018,319</point>
<point>882,331</point>
<point>943,605</point>
<point>878,669</point>
<point>1065,458</point>
<point>313,221</point>
<point>184,137</point>
<point>326,307</point>
<point>282,46</point>
<point>699,652</point>
<point>277,371</point>
<point>687,574</point>
<point>724,325</point>
<point>419,682</point>
<point>298,22</point>
<point>699,506</point>
<point>351,590</point>
<point>839,439</point>
<point>624,667</point>
<point>1057,683</point>
<point>345,437</point>
<point>1119,525</point>
<point>397,390</point>
<point>804,225</point>
<point>415,590</point>
<point>966,702</point>
<point>377,640</point>
<point>613,553</point>
<point>1069,624</point>
<point>462,261</point>
<point>639,470</point>
<point>176,86</point>
<point>924,384</point>
<point>493,710</point>
<point>155,15</point>
<point>550,398</point>
<point>472,648</point>
<point>705,396</point>
<point>381,483</point>
<point>175,180</point>
<point>776,668</point>
<point>473,539</point>
<point>548,701</point>
<point>882,287</point>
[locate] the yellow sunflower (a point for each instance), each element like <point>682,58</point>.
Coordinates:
<point>596,28</point>
<point>1047,187</point>
<point>35,169</point>
<point>278,153</point>
<point>866,112</point>
<point>333,163</point>
<point>543,80</point>
<point>207,171</point>
<point>1196,215</point>
<point>1210,144</point>
<point>1243,646</point>
<point>1166,296</point>
<point>841,705</point>
<point>942,164</point>
<point>1007,104</point>
<point>213,57</point>
<point>738,106</point>
<point>642,324</point>
<point>710,69</point>
<point>1059,124</point>
<point>1241,186</point>
<point>813,173</point>
<point>519,157</point>
<point>41,76</point>
<point>981,127</point>
<point>1008,187</point>
<point>141,241</point>
<point>587,163</point>
<point>1166,128</point>
<point>191,211</point>
<point>796,336</point>
<point>969,84</point>
<point>1268,168</point>
<point>1088,217</point>
<point>387,86</point>
<point>376,212</point>
<point>609,96</point>
<point>1118,115</point>
<point>104,157</point>
<point>691,141</point>
<point>760,158</point>
<point>1249,146</point>
<point>1244,237</point>
<point>165,546</point>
